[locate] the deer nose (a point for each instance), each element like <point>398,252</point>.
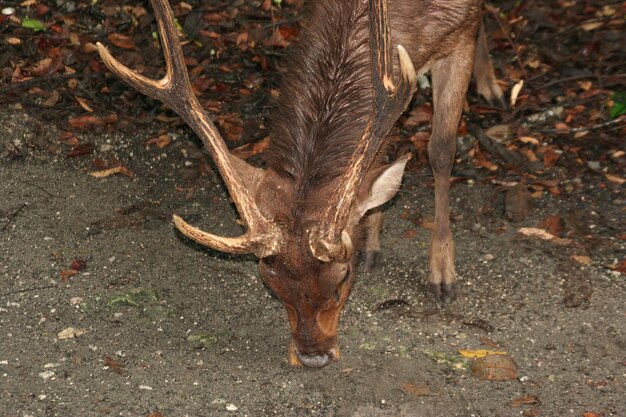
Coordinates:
<point>316,360</point>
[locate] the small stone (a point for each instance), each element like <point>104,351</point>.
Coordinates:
<point>488,257</point>
<point>231,407</point>
<point>46,374</point>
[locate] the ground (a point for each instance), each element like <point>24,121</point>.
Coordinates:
<point>106,310</point>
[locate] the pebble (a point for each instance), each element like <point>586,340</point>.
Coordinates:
<point>46,374</point>
<point>489,257</point>
<point>231,407</point>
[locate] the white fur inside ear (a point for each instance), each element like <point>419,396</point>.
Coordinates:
<point>384,187</point>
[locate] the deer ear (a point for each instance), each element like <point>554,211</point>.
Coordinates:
<point>381,187</point>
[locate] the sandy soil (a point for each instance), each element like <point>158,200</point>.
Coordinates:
<point>174,328</point>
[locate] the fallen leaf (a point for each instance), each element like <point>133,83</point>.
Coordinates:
<point>41,67</point>
<point>67,274</point>
<point>526,399</point>
<point>589,26</point>
<point>33,24</point>
<point>161,141</point>
<point>529,139</point>
<point>112,171</point>
<point>495,368</point>
<point>500,133</point>
<point>616,179</point>
<point>121,41</point>
<point>409,233</point>
<point>553,225</point>
<point>542,234</point>
<point>515,92</point>
<point>251,149</point>
<point>582,259</point>
<point>517,203</point>
<point>418,390</point>
<point>83,103</point>
<point>452,361</point>
<point>52,100</point>
<point>277,39</point>
<point>114,365</point>
<point>81,122</point>
<point>81,150</point>
<point>79,265</point>
<point>70,333</point>
<point>479,353</point>
<point>619,267</point>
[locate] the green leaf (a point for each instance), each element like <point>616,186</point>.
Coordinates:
<point>33,24</point>
<point>619,106</point>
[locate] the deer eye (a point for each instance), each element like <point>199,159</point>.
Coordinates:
<point>340,284</point>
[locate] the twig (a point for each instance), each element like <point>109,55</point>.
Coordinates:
<point>495,12</point>
<point>48,78</point>
<point>621,119</point>
<point>40,188</point>
<point>577,77</point>
<point>497,149</point>
<point>27,290</point>
<point>13,216</point>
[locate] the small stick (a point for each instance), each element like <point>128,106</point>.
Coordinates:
<point>494,11</point>
<point>27,290</point>
<point>13,216</point>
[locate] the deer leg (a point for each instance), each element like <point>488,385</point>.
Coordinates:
<point>372,243</point>
<point>450,80</point>
<point>486,83</point>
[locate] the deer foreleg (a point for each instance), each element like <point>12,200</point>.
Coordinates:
<point>450,79</point>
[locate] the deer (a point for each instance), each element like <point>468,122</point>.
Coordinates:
<point>316,205</point>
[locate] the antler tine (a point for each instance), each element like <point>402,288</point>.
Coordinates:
<point>174,89</point>
<point>389,102</point>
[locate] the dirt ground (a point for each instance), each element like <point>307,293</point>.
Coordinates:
<point>175,329</point>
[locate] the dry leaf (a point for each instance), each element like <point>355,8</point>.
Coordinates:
<point>114,365</point>
<point>542,234</point>
<point>52,100</point>
<point>526,399</point>
<point>161,141</point>
<point>495,368</point>
<point>112,171</point>
<point>83,103</point>
<point>529,139</point>
<point>517,203</point>
<point>479,353</point>
<point>589,26</point>
<point>251,149</point>
<point>515,92</point>
<point>500,133</point>
<point>70,333</point>
<point>582,259</point>
<point>553,225</point>
<point>417,390</point>
<point>121,41</point>
<point>614,178</point>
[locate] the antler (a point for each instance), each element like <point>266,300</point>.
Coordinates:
<point>262,236</point>
<point>329,241</point>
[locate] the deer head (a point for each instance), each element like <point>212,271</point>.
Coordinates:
<point>306,251</point>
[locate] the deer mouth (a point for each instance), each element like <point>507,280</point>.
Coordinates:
<point>312,360</point>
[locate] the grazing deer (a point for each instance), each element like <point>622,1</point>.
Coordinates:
<point>306,215</point>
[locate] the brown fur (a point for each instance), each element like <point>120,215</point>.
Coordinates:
<point>320,116</point>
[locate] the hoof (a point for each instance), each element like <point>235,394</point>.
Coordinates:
<point>442,293</point>
<point>370,260</point>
